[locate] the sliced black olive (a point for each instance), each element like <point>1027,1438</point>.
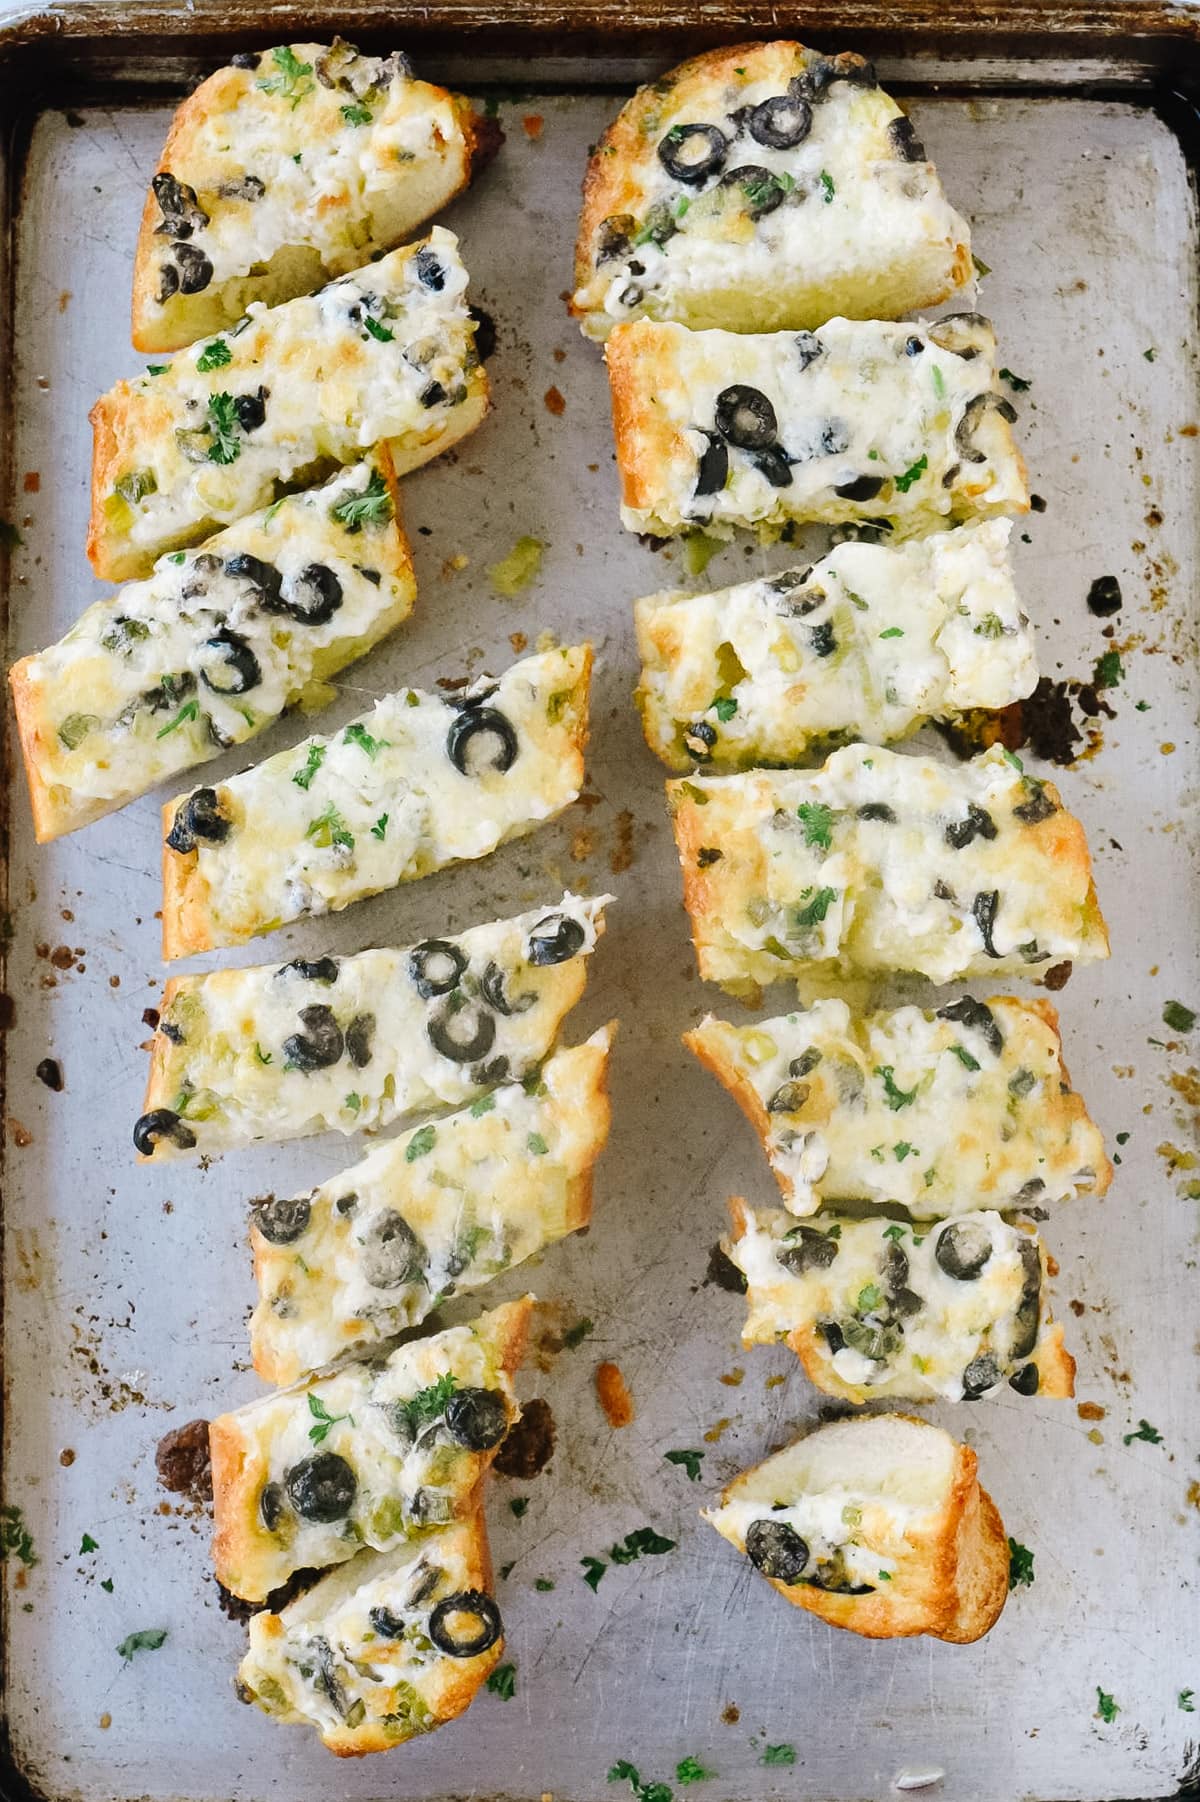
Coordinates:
<point>823,640</point>
<point>984,909</point>
<point>777,1550</point>
<point>773,462</point>
<point>430,269</point>
<point>435,967</point>
<point>320,1044</point>
<point>346,1204</point>
<point>713,472</point>
<point>745,416</point>
<point>977,1016</point>
<point>195,270</point>
<point>781,122</point>
<point>322,1488</point>
<point>1026,1380</point>
<point>312,597</point>
<point>432,395</point>
<point>245,59</point>
<point>762,191</point>
<point>181,211</point>
<point>200,816</point>
<point>462,1033</point>
<point>978,824</point>
<point>806,1062</point>
<point>230,666</point>
<point>861,488</point>
<point>905,142</point>
<point>477,1418</point>
<point>973,412</point>
<point>789,1098</point>
<point>1037,808</point>
<point>951,475</point>
<point>391,1251</point>
<point>264,578</point>
<point>251,409</point>
<point>317,969</point>
<point>168,283</point>
<point>691,153</point>
<point>369,575</point>
<point>833,1335</point>
<point>808,348</point>
<point>271,1505</point>
<point>1104,597</point>
<point>962,1250</point>
<point>554,940</point>
<point>170,1031</point>
<point>981,1374</point>
<point>1029,1192</point>
<point>698,739</point>
<point>832,1577</point>
<point>913,346</point>
<point>877,810</point>
<point>806,1249</point>
<point>491,987</point>
<point>284,1219</point>
<point>615,236</point>
<point>162,1123</point>
<point>426,1579</point>
<point>358,1040</point>
<point>895,1268</point>
<point>485,333</point>
<point>466,1624</point>
<point>247,187</point>
<point>387,1624</point>
<point>486,1076</point>
<point>479,739</point>
<point>835,438</point>
<point>1029,1309</point>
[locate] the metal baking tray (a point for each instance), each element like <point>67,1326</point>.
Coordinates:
<point>1067,135</point>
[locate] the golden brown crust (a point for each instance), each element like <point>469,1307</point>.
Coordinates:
<point>701,891</point>
<point>51,817</point>
<point>105,457</point>
<point>158,1092</point>
<point>644,439</point>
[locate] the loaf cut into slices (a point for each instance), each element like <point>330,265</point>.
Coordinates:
<point>879,1307</point>
<point>941,1112</point>
<point>283,398</point>
<point>899,428</point>
<point>335,1044</point>
<point>386,1647</point>
<point>211,648</point>
<point>868,643</point>
<point>884,862</point>
<point>368,1455</point>
<point>422,781</point>
<point>435,1212</point>
<point>289,167</point>
<point>877,1525</point>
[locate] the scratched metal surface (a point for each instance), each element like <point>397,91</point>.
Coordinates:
<point>127,1288</point>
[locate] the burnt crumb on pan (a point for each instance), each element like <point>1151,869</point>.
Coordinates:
<point>1037,503</point>
<point>723,1273</point>
<point>150,1018</point>
<point>1052,722</point>
<point>612,1392</point>
<point>184,1463</point>
<point>50,1072</point>
<point>1058,975</point>
<point>8,1013</point>
<point>529,1445</point>
<point>235,1608</point>
<point>1104,597</point>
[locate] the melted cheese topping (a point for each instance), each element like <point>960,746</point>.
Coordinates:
<point>869,643</point>
<point>844,1549</point>
<point>942,1112</point>
<point>384,801</point>
<point>487,1189</point>
<point>884,862</point>
<point>122,700</point>
<point>774,237</point>
<point>388,353</point>
<point>229,1046</point>
<point>897,1323</point>
<point>913,434</point>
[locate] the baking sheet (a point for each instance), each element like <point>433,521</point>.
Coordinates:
<point>127,1288</point>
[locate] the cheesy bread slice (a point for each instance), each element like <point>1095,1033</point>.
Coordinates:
<point>384,1648</point>
<point>337,1044</point>
<point>868,643</point>
<point>877,1525</point>
<point>367,1455</point>
<point>286,168</point>
<point>432,1213</point>
<point>422,781</point>
<point>760,188</point>
<point>881,1307</point>
<point>942,1112</point>
<point>899,428</point>
<point>880,862</point>
<point>212,647</point>
<point>281,399</point>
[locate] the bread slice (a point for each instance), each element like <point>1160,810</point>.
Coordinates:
<point>288,168</point>
<point>421,781</point>
<point>882,862</point>
<point>760,188</point>
<point>877,1525</point>
<point>879,1307</point>
<point>868,643</point>
<point>901,428</point>
<point>368,1455</point>
<point>427,1215</point>
<point>209,650</point>
<point>338,1044</point>
<point>940,1112</point>
<point>281,400</point>
<point>383,1648</point>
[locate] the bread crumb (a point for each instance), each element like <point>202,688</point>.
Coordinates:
<point>733,1379</point>
<point>64,300</point>
<point>32,482</point>
<point>583,844</point>
<point>518,641</point>
<point>715,1432</point>
<point>21,1135</point>
<point>555,402</point>
<point>613,1394</point>
<point>560,356</point>
<point>533,126</point>
<point>622,856</point>
<point>105,1722</point>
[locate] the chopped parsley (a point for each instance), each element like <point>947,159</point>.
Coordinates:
<point>593,1570</point>
<point>643,1542</point>
<point>188,711</point>
<point>1186,1701</point>
<point>895,1231</point>
<point>1178,1017</point>
<point>421,1144</point>
<point>896,1096</point>
<point>15,1537</point>
<point>214,356</point>
<point>428,1404</point>
<point>369,507</point>
<point>482,1105</point>
<point>990,626</point>
<point>623,1771</point>
<point>316,757</point>
<point>939,383</point>
<point>356,115</point>
<point>323,1420</point>
<point>1109,670</point>
<point>1106,1708</point>
<point>724,706</point>
<point>357,734</point>
<point>329,828</point>
<point>146,1639</point>
<point>814,911</point>
<point>903,1150</point>
<point>817,820</point>
<point>765,188</point>
<point>576,1334</point>
<point>519,1505</point>
<point>537,1145</point>
<point>1020,1564</point>
<point>503,1682</point>
<point>981,268</point>
<point>827,188</point>
<point>912,474</point>
<point>893,632</point>
<point>290,83</point>
<point>106,1584</point>
<point>88,1544</point>
<point>783,1754</point>
<point>964,1057</point>
<point>377,329</point>
<point>1149,356</point>
<point>353,1101</point>
<point>1145,1431</point>
<point>690,1770</point>
<point>690,1461</point>
<point>157,368</point>
<point>379,829</point>
<point>543,1585</point>
<point>226,446</point>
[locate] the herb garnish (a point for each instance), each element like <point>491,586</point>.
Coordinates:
<point>1186,1701</point>
<point>964,1057</point>
<point>1020,1564</point>
<point>357,734</point>
<point>543,1585</point>
<point>537,1145</point>
<point>817,820</point>
<point>378,330</point>
<point>15,1537</point>
<point>316,757</point>
<point>88,1544</point>
<point>519,1505</point>
<point>421,1144</point>
<point>188,711</point>
<point>1017,383</point>
<point>783,1754</point>
<point>893,632</point>
<point>503,1682</point>
<point>289,84</point>
<point>815,910</point>
<point>643,1542</point>
<point>427,1404</point>
<point>323,1420</point>
<point>593,1570</point>
<point>146,1639</point>
<point>724,706</point>
<point>379,829</point>
<point>1109,670</point>
<point>911,474</point>
<point>356,115</point>
<point>576,1334</point>
<point>645,1792</point>
<point>1178,1017</point>
<point>690,1461</point>
<point>329,828</point>
<point>896,1097</point>
<point>827,188</point>
<point>226,446</point>
<point>1106,1708</point>
<point>214,356</point>
<point>690,1770</point>
<point>1145,1431</point>
<point>369,507</point>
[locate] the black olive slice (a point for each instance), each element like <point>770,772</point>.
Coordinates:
<point>761,190</point>
<point>387,1624</point>
<point>477,1418</point>
<point>195,270</point>
<point>904,140</point>
<point>895,1268</point>
<point>806,1249</point>
<point>808,348</point>
<point>246,187</point>
<point>430,269</point>
<point>823,639</point>
<point>1037,808</point>
<point>806,1062</point>
<point>1104,597</point>
<point>346,1204</point>
<point>981,1374</point>
<point>284,1219</point>
<point>358,1040</point>
<point>312,597</point>
<point>271,1505</point>
<point>964,335</point>
<point>781,122</point>
<point>479,739</point>
<point>745,416</point>
<point>391,1251</point>
<point>979,1017</point>
<point>1026,1380</point>
<point>230,666</point>
<point>466,1624</point>
<point>199,816</point>
<point>432,395</point>
<point>789,1098</point>
<point>322,1488</point>
<point>491,987</point>
<point>713,472</point>
<point>555,940</point>
<point>878,811</point>
<point>462,1033</point>
<point>859,488</point>
<point>486,1076</point>
<point>913,346</point>
<point>691,153</point>
<point>162,1123</point>
<point>615,237</point>
<point>181,211</point>
<point>777,1550</point>
<point>773,462</point>
<point>962,1250</point>
<point>698,740</point>
<point>326,1678</point>
<point>978,824</point>
<point>485,333</point>
<point>833,1336</point>
<point>435,967</point>
<point>263,577</point>
<point>318,969</point>
<point>984,909</point>
<point>245,59</point>
<point>319,1045</point>
<point>251,409</point>
<point>973,412</point>
<point>168,283</point>
<point>1029,1192</point>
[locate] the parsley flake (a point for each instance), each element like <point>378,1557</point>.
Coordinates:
<point>1017,383</point>
<point>421,1144</point>
<point>964,1057</point>
<point>783,1754</point>
<point>1020,1564</point>
<point>356,115</point>
<point>1106,1708</point>
<point>503,1682</point>
<point>690,1462</point>
<point>356,734</point>
<point>1178,1017</point>
<point>814,911</point>
<point>330,829</point>
<point>369,507</point>
<point>817,820</point>
<point>316,757</point>
<point>87,1544</point>
<point>427,1405</point>
<point>827,188</point>
<point>214,356</point>
<point>911,474</point>
<point>593,1570</point>
<point>290,83</point>
<point>724,706</point>
<point>690,1770</point>
<point>146,1639</point>
<point>896,1096</point>
<point>379,829</point>
<point>226,446</point>
<point>323,1420</point>
<point>188,711</point>
<point>1145,1431</point>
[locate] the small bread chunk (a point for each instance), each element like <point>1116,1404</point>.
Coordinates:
<point>369,1455</point>
<point>876,1307</point>
<point>286,169</point>
<point>282,399</point>
<point>422,781</point>
<point>940,1112</point>
<point>763,188</point>
<point>883,862</point>
<point>391,1645</point>
<point>209,650</point>
<point>877,1525</point>
<point>338,1044</point>
<point>868,643</point>
<point>432,1213</point>
<point>901,428</point>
